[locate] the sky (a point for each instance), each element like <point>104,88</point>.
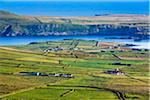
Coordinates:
<point>79,0</point>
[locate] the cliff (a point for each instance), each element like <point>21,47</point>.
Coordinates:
<point>14,25</point>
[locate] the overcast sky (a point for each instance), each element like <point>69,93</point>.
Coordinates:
<point>76,0</point>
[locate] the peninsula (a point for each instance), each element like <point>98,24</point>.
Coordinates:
<point>117,24</point>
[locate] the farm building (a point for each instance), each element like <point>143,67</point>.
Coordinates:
<point>116,71</point>
<point>43,74</point>
<point>30,73</point>
<point>67,75</point>
<point>54,49</point>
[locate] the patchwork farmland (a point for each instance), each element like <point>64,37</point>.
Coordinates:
<point>88,61</point>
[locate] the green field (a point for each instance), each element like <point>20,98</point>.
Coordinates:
<point>81,58</point>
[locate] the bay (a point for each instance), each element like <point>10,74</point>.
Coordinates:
<point>9,41</point>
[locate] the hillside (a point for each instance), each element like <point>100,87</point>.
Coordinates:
<point>87,61</point>
<point>15,25</point>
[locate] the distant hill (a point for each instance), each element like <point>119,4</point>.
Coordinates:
<point>7,14</point>
<point>15,25</point>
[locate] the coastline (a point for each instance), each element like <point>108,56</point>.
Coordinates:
<point>15,25</point>
<point>12,41</point>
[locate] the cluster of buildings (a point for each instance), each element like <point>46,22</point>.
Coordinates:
<point>115,71</point>
<point>43,74</point>
<point>54,49</point>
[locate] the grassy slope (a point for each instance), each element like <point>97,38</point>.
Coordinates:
<point>8,17</point>
<point>88,70</point>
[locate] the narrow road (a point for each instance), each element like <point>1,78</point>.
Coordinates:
<point>117,56</point>
<point>120,95</point>
<point>67,92</point>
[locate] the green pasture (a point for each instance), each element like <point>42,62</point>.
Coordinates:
<point>90,81</point>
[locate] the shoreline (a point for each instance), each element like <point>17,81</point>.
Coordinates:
<point>14,41</point>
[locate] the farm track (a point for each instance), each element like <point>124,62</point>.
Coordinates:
<point>73,44</point>
<point>67,92</point>
<point>116,56</point>
<point>119,94</point>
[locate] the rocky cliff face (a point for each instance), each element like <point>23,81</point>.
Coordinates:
<point>14,25</point>
<point>70,29</point>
